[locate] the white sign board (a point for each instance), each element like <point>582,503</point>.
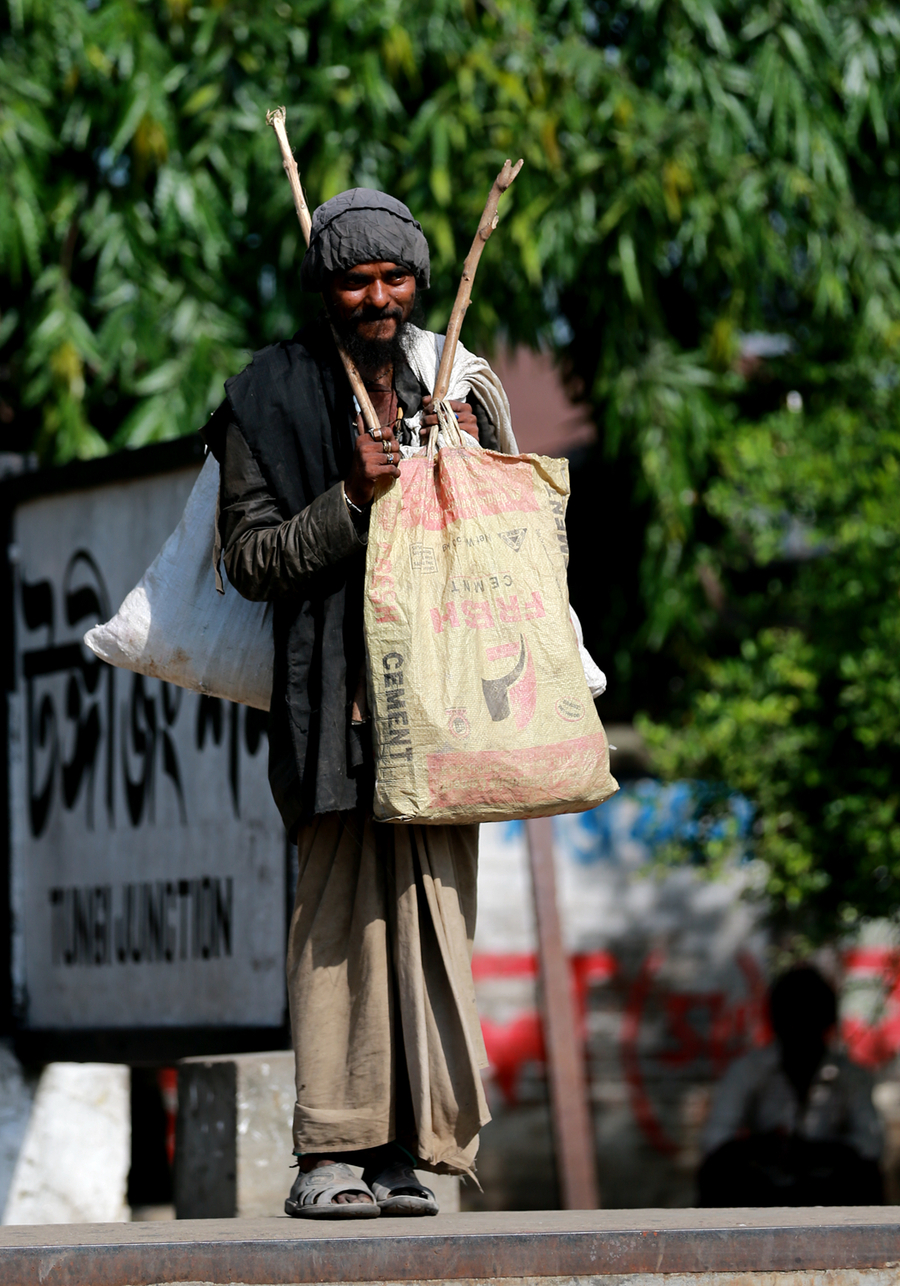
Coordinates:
<point>147,856</point>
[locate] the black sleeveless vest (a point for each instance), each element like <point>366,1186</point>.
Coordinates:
<point>294,408</point>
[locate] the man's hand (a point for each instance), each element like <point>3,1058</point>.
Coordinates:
<point>461,410</point>
<point>377,455</point>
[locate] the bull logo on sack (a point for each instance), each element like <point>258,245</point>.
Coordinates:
<point>515,692</point>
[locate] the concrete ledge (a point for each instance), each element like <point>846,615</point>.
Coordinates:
<point>526,1245</point>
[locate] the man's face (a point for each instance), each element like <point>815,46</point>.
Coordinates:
<point>372,300</point>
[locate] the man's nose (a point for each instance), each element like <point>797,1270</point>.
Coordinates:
<point>378,295</point>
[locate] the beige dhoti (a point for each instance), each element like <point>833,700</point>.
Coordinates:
<point>380,990</point>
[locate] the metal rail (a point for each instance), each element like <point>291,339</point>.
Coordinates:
<point>488,1247</point>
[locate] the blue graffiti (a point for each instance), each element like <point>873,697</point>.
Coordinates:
<point>647,815</point>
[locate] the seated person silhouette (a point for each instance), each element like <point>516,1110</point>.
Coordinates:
<point>793,1124</point>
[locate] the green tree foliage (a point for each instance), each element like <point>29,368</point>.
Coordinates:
<point>766,546</point>
<point>798,705</point>
<point>697,171</point>
<point>147,239</point>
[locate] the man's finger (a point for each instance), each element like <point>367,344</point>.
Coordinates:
<point>369,446</point>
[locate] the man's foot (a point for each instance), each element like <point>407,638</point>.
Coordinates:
<point>330,1190</point>
<point>398,1192</point>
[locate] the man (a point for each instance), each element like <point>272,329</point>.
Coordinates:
<point>793,1123</point>
<point>385,1032</point>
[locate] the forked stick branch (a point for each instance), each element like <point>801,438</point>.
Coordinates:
<point>276,119</point>
<point>487,225</point>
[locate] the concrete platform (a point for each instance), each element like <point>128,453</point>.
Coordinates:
<point>855,1246</point>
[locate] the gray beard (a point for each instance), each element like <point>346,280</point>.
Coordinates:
<point>373,355</point>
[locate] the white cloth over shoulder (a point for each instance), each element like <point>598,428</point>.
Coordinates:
<point>470,374</point>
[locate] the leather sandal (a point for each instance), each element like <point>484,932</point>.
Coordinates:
<point>398,1192</point>
<point>312,1195</point>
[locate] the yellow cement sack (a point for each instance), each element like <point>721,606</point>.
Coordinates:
<point>480,707</point>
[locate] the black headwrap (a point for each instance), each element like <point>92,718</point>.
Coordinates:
<point>363,226</point>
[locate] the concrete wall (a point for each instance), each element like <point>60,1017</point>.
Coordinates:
<point>234,1150</point>
<point>17,1090</point>
<point>75,1155</point>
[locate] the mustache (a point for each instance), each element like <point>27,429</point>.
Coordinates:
<point>369,353</point>
<point>365,313</point>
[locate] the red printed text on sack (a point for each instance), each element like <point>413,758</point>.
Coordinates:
<point>449,617</point>
<point>382,589</point>
<point>459,488</point>
<point>477,613</point>
<point>530,776</point>
<point>511,612</point>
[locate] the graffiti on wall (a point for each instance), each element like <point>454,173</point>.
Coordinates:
<point>667,967</point>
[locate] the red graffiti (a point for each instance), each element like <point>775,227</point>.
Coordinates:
<point>511,1045</point>
<point>876,1043</point>
<point>702,1031</point>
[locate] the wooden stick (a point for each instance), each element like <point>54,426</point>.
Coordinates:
<point>487,225</point>
<point>276,119</point>
<point>573,1129</point>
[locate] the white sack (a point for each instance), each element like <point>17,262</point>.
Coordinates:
<point>175,625</point>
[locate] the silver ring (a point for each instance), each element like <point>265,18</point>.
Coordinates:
<point>387,446</point>
<point>391,458</point>
<point>376,434</point>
